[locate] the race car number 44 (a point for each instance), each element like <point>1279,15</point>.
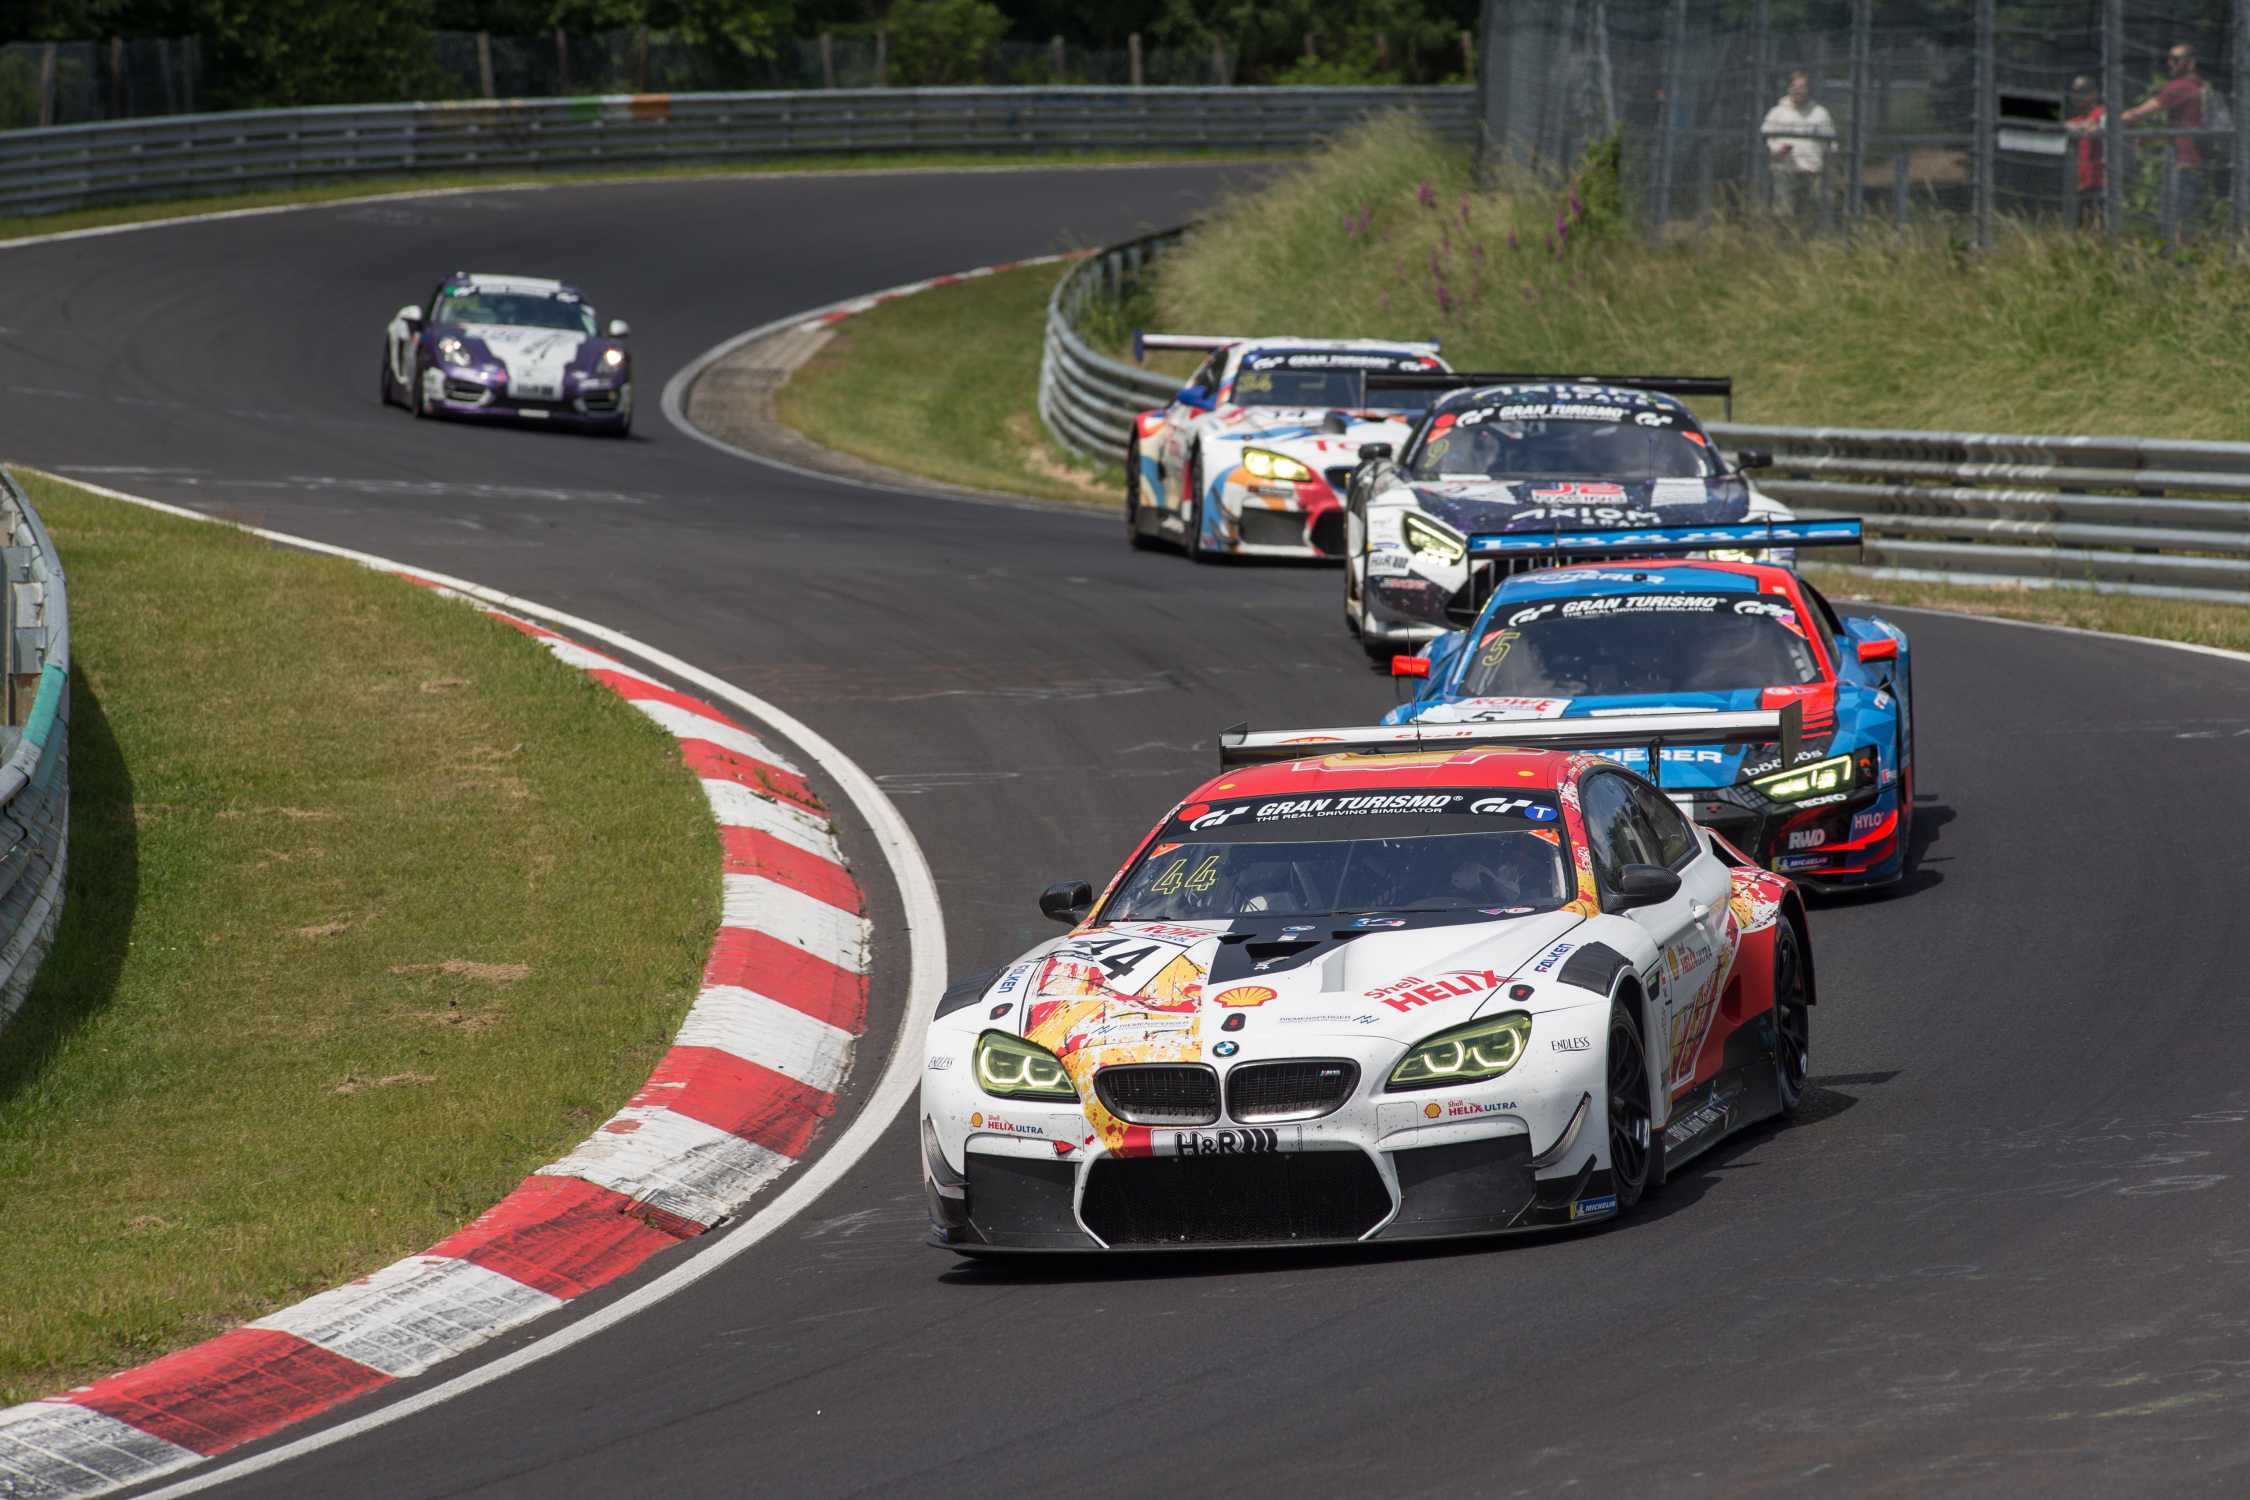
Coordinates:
<point>1248,1140</point>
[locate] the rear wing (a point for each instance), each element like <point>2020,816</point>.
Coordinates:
<point>1243,746</point>
<point>1721,386</point>
<point>1143,341</point>
<point>1642,541</point>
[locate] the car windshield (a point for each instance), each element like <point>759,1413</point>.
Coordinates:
<point>1545,439</point>
<point>1638,643</point>
<point>1320,856</point>
<point>471,304</point>
<point>1325,378</point>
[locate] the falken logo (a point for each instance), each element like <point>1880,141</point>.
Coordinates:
<point>1522,807</point>
<point>1553,956</point>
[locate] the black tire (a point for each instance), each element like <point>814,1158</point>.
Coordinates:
<point>1191,540</point>
<point>1140,540</point>
<point>1632,1134</point>
<point>1792,1020</point>
<point>415,401</point>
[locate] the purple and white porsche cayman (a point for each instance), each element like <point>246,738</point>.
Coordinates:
<point>509,346</point>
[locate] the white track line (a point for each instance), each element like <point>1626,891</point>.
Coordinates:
<point>925,934</point>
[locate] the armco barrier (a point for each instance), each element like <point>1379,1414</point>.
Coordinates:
<point>35,777</point>
<point>80,166</point>
<point>2150,516</point>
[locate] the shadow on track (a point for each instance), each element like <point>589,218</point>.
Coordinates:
<point>100,891</point>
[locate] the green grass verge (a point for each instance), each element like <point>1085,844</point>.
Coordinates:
<point>373,906</point>
<point>1386,235</point>
<point>945,384</point>
<point>20,226</point>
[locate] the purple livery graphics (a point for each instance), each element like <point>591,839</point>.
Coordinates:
<point>519,347</point>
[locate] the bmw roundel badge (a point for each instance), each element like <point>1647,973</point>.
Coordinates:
<point>1226,1049</point>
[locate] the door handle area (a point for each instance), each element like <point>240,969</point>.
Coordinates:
<point>1699,909</point>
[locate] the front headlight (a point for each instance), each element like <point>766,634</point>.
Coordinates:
<point>1466,1054</point>
<point>453,351</point>
<point>1835,774</point>
<point>1264,463</point>
<point>1013,1068</point>
<point>612,358</point>
<point>1425,535</point>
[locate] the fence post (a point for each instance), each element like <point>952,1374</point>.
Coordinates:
<point>827,61</point>
<point>484,63</point>
<point>640,59</point>
<point>2113,118</point>
<point>1133,58</point>
<point>1218,63</point>
<point>2239,188</point>
<point>1468,56</point>
<point>882,58</point>
<point>164,69</point>
<point>562,62</point>
<point>1987,103</point>
<point>117,104</point>
<point>1761,76</point>
<point>1900,164</point>
<point>47,84</point>
<point>1667,127</point>
<point>1863,63</point>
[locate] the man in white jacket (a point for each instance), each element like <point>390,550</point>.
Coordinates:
<point>1798,135</point>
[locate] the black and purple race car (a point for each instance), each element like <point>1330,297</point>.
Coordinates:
<point>509,346</point>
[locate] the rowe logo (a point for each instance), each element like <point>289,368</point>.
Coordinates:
<point>1413,994</point>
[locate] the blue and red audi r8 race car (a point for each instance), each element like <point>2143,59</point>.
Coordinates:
<point>1670,634</point>
<point>510,346</point>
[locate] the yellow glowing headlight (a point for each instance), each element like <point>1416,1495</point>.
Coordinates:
<point>1264,463</point>
<point>1013,1068</point>
<point>1821,777</point>
<point>1466,1054</point>
<point>1435,537</point>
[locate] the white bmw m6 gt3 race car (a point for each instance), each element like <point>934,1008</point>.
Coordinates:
<point>1497,456</point>
<point>1376,984</point>
<point>1252,457</point>
<point>519,347</point>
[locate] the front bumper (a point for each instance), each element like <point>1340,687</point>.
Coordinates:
<point>453,396</point>
<point>1253,518</point>
<point>1512,1153</point>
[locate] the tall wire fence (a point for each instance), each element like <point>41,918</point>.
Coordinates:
<point>1971,112</point>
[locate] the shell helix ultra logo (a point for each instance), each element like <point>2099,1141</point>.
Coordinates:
<point>1244,995</point>
<point>976,1122</point>
<point>1431,1110</point>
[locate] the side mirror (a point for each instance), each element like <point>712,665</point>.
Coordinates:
<point>1369,452</point>
<point>1195,396</point>
<point>1753,458</point>
<point>1069,901</point>
<point>619,328</point>
<point>1643,885</point>
<point>1410,666</point>
<point>411,313</point>
<point>1885,649</point>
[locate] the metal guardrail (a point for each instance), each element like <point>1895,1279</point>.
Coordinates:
<point>80,166</point>
<point>35,776</point>
<point>2156,517</point>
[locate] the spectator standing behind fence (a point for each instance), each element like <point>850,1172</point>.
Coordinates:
<point>2086,124</point>
<point>1797,141</point>
<point>2181,100</point>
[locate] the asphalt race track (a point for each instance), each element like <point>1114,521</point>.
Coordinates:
<point>2007,1248</point>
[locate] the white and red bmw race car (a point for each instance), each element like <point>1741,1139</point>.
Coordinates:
<point>1254,454</point>
<point>1376,984</point>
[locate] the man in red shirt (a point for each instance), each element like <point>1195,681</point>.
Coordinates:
<point>2181,100</point>
<point>2086,125</point>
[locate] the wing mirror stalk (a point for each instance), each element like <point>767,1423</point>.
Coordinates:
<point>1067,901</point>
